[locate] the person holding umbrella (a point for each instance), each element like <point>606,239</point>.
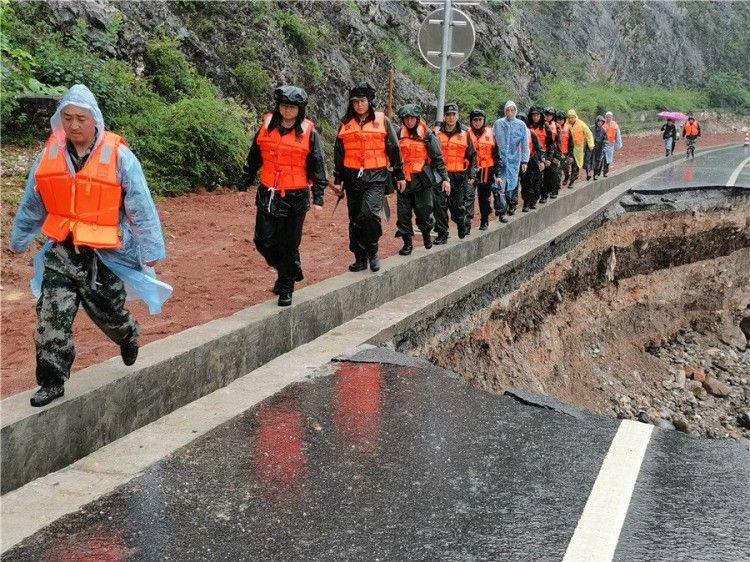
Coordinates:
<point>669,135</point>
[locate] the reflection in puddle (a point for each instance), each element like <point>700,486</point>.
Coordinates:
<point>96,544</point>
<point>358,406</point>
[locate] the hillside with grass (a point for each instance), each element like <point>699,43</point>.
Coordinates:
<point>185,81</point>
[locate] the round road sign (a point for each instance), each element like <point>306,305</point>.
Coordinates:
<point>431,38</point>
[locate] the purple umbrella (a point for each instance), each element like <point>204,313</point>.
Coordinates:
<point>675,115</point>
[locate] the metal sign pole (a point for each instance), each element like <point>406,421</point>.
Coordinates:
<point>444,59</point>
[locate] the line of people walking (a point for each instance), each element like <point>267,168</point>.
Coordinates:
<point>438,173</point>
<point>87,193</point>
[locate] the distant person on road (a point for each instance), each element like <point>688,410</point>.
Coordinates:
<point>288,151</point>
<point>512,138</point>
<point>541,128</point>
<point>366,147</point>
<point>669,135</point>
<point>87,194</point>
<point>582,139</point>
<point>532,177</point>
<point>489,184</point>
<point>460,161</point>
<point>691,130</point>
<point>613,141</point>
<point>423,167</point>
<point>553,168</point>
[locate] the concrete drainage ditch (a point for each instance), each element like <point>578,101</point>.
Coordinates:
<point>646,318</point>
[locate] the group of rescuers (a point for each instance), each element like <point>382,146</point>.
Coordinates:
<point>86,192</point>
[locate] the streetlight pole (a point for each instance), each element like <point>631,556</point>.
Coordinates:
<point>444,58</point>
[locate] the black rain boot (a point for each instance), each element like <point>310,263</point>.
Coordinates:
<point>406,250</point>
<point>427,239</point>
<point>360,262</point>
<point>47,394</point>
<point>285,297</point>
<point>276,286</point>
<point>129,352</point>
<point>503,218</point>
<point>441,239</point>
<point>374,260</point>
<point>525,209</point>
<point>484,224</point>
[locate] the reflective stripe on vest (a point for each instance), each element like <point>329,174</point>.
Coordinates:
<point>454,150</point>
<point>691,130</point>
<point>364,145</point>
<point>284,156</point>
<point>413,151</point>
<point>86,204</point>
<point>611,130</point>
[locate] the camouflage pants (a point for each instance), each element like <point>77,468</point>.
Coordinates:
<point>72,278</point>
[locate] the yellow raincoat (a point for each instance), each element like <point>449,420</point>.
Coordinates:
<point>579,131</point>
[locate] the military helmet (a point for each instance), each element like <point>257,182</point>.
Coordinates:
<point>291,95</point>
<point>549,111</point>
<point>363,90</point>
<point>409,110</point>
<point>477,113</point>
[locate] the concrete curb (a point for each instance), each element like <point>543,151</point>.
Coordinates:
<point>108,400</point>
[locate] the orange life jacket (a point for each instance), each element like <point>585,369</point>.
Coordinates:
<point>364,145</point>
<point>485,145</point>
<point>611,130</point>
<point>284,156</point>
<point>541,135</point>
<point>564,139</point>
<point>413,151</point>
<point>691,129</point>
<point>87,203</point>
<point>454,150</point>
<point>531,135</point>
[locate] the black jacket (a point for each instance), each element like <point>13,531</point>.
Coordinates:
<point>315,164</point>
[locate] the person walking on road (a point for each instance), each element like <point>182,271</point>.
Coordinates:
<point>489,184</point>
<point>553,168</point>
<point>582,139</point>
<point>288,151</point>
<point>532,177</point>
<point>460,161</point>
<point>87,194</point>
<point>595,157</point>
<point>669,135</point>
<point>511,136</point>
<point>366,153</point>
<point>566,146</point>
<point>613,141</point>
<point>691,130</point>
<point>543,132</point>
<point>423,168</point>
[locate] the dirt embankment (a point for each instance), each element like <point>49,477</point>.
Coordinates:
<point>643,320</point>
<point>212,263</point>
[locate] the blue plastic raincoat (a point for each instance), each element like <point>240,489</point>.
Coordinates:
<point>512,142</point>
<point>142,239</point>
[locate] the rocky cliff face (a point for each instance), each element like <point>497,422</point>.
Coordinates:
<point>326,46</point>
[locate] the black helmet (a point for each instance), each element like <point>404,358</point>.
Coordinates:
<point>409,110</point>
<point>450,108</point>
<point>290,94</point>
<point>477,113</point>
<point>560,115</point>
<point>549,111</point>
<point>535,109</point>
<point>362,90</point>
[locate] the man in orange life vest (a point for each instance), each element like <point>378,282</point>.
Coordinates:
<point>613,141</point>
<point>554,157</point>
<point>366,147</point>
<point>691,130</point>
<point>488,181</point>
<point>460,161</point>
<point>288,151</point>
<point>87,193</point>
<point>423,167</point>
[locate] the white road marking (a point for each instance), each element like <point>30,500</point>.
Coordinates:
<point>598,530</point>
<point>737,172</point>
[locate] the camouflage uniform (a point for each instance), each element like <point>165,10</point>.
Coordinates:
<point>71,278</point>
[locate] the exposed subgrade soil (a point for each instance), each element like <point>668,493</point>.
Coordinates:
<point>648,318</point>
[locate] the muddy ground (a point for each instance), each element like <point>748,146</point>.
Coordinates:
<point>647,319</point>
<point>212,263</point>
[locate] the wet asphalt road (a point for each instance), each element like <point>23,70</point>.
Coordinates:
<point>385,462</point>
<point>712,169</point>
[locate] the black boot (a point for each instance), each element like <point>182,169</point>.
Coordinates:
<point>427,241</point>
<point>525,209</point>
<point>285,297</point>
<point>276,286</point>
<point>441,239</point>
<point>374,261</point>
<point>542,200</point>
<point>129,352</point>
<point>503,218</point>
<point>47,394</point>
<point>406,250</point>
<point>484,224</point>
<point>360,262</point>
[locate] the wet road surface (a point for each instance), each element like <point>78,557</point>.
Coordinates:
<point>383,461</point>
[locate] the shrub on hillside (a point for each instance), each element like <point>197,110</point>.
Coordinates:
<point>253,81</point>
<point>729,90</point>
<point>172,75</point>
